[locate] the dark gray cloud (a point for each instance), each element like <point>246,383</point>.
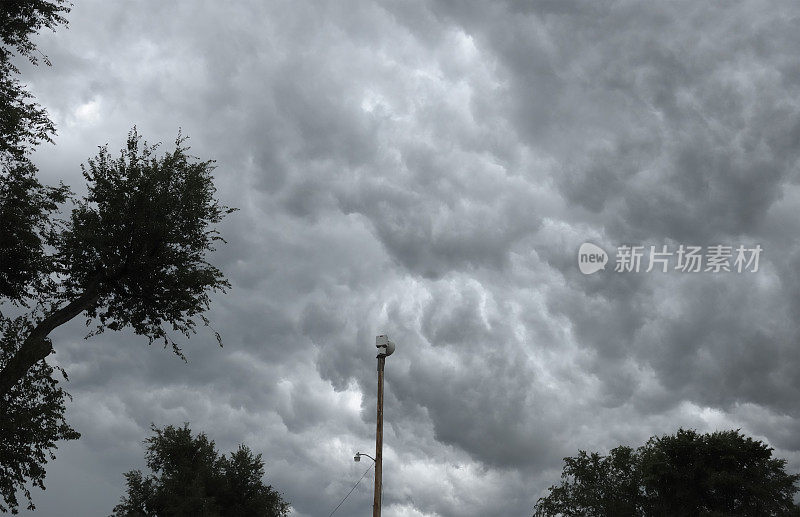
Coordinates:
<point>429,170</point>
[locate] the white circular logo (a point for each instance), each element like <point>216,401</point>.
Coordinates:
<point>591,258</point>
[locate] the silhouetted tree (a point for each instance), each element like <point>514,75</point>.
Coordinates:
<point>21,19</point>
<point>25,204</point>
<point>26,227</point>
<point>687,474</point>
<point>31,421</point>
<point>596,485</point>
<point>132,253</point>
<point>32,410</point>
<point>191,479</point>
<point>23,123</point>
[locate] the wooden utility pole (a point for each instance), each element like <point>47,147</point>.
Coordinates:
<point>376,505</point>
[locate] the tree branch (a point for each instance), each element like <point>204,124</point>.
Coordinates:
<point>36,346</point>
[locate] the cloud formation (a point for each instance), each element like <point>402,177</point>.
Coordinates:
<point>429,170</point>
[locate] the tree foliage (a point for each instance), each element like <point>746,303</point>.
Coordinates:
<point>190,478</point>
<point>142,234</point>
<point>23,123</point>
<point>687,474</point>
<point>31,421</point>
<point>25,204</point>
<point>131,254</point>
<point>596,485</point>
<point>32,408</point>
<point>26,209</point>
<point>21,19</point>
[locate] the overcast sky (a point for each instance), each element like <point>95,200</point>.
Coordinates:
<point>429,170</point>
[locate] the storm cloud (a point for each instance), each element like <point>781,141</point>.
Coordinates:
<point>428,170</point>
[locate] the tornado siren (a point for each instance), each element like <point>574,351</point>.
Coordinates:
<point>384,346</point>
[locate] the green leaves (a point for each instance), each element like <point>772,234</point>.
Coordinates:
<point>132,254</point>
<point>144,229</point>
<point>724,472</point>
<point>32,407</point>
<point>31,421</point>
<point>190,478</point>
<point>23,124</point>
<point>595,485</point>
<point>26,207</point>
<point>718,474</point>
<point>21,19</point>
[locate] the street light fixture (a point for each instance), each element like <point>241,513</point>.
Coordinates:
<point>358,455</point>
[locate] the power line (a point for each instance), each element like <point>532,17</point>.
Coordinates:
<point>351,490</point>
